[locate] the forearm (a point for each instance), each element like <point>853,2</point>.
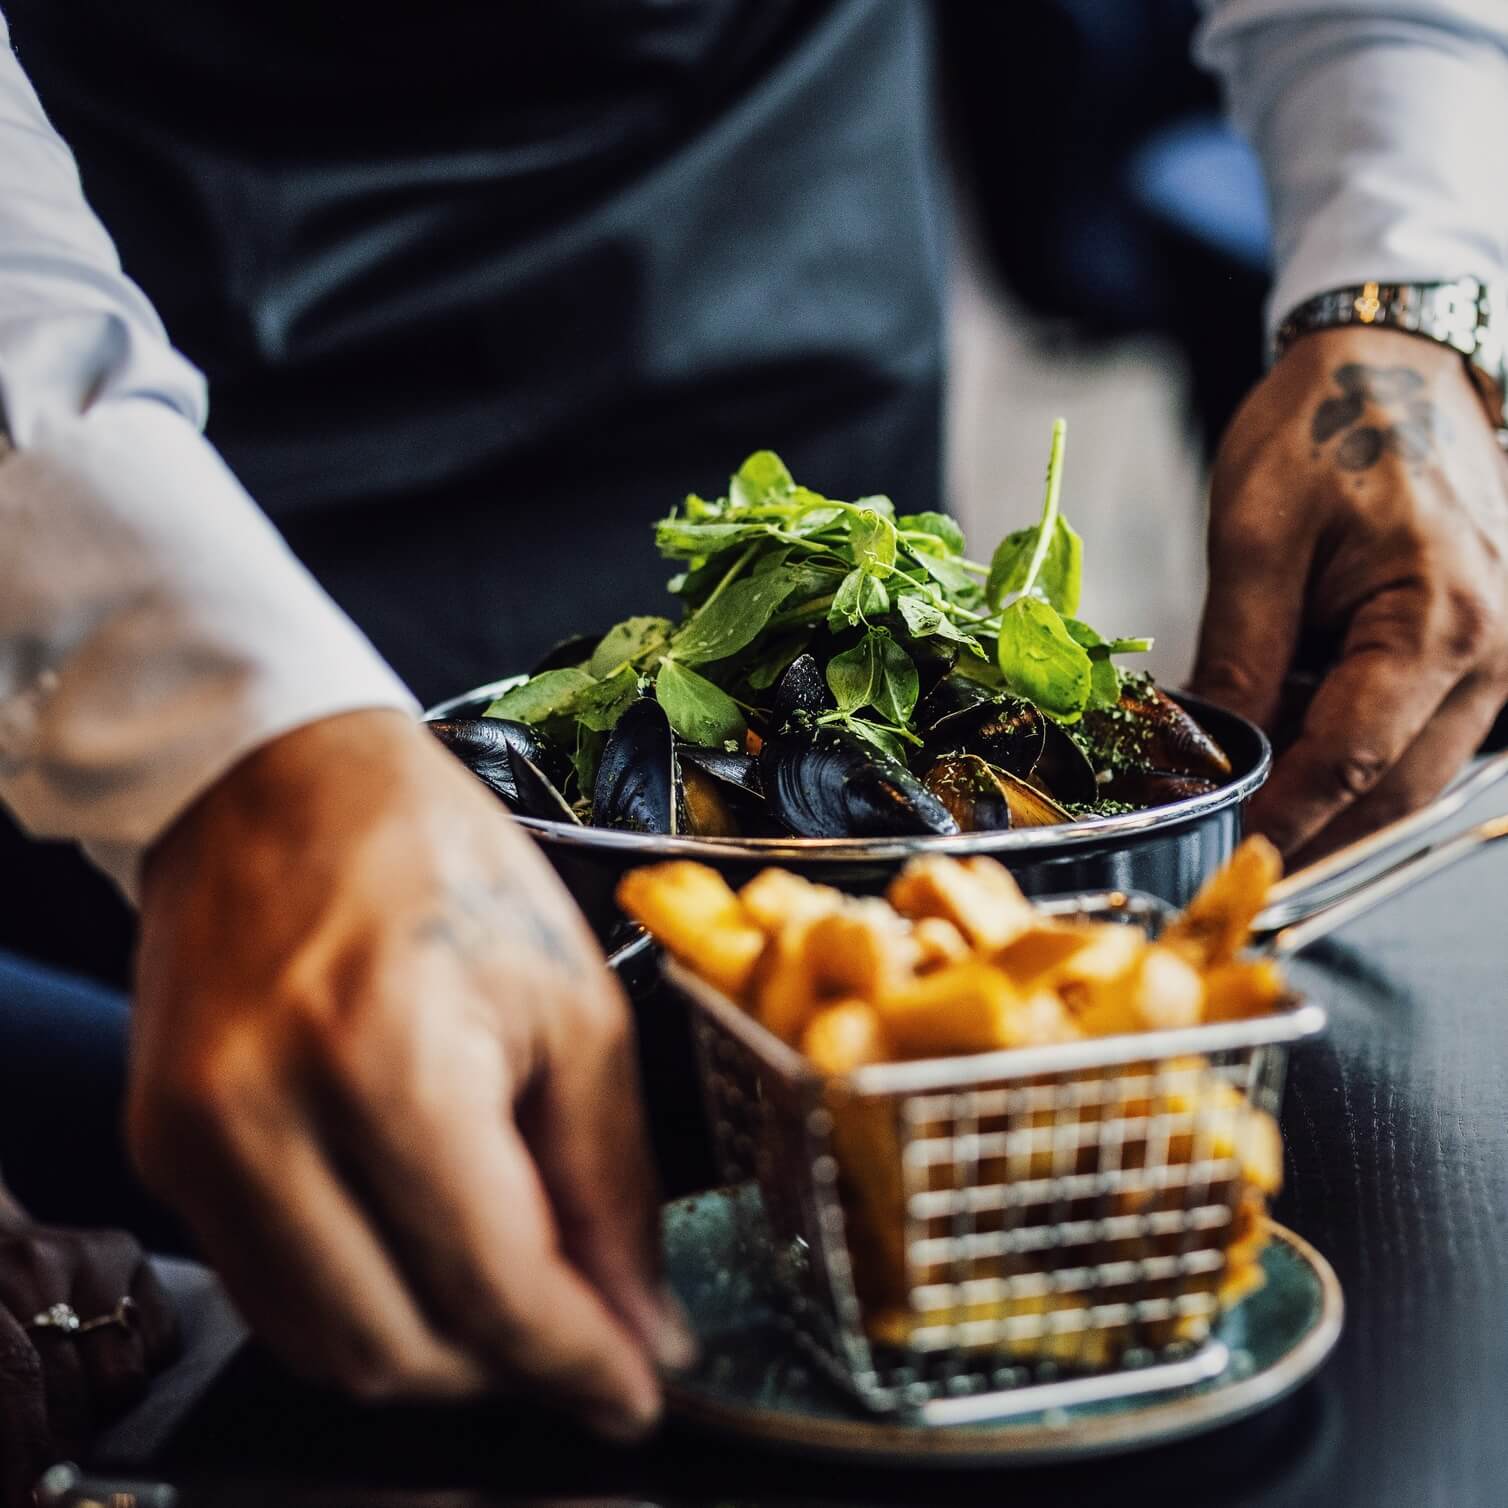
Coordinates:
<point>1381,125</point>
<point>153,627</point>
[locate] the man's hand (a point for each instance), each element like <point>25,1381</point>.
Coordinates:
<point>380,1069</point>
<point>57,1388</point>
<point>1360,493</point>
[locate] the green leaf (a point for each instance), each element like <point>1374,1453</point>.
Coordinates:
<point>853,676</point>
<point>599,708</point>
<point>551,694</point>
<point>937,526</point>
<point>761,479</point>
<point>1104,681</point>
<point>948,573</point>
<point>680,539</point>
<point>731,619</point>
<point>1060,578</point>
<point>925,620</point>
<point>899,683</point>
<point>878,503</point>
<point>1082,634</point>
<point>699,711</point>
<point>812,513</point>
<point>585,758</point>
<point>1041,661</point>
<point>627,643</point>
<point>874,542</point>
<point>859,598</point>
<point>882,738</point>
<point>1128,646</point>
<point>876,673</point>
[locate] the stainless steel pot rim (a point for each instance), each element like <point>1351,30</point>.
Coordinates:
<point>1093,832</point>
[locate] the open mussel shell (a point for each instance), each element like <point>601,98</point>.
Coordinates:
<point>982,798</point>
<point>538,795</point>
<point>1148,730</point>
<point>724,795</point>
<point>971,791</point>
<point>486,746</point>
<point>826,783</point>
<point>639,785</point>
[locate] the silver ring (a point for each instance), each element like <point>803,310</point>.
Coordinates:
<point>64,1319</point>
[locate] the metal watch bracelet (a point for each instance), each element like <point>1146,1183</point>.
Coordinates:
<point>1469,315</point>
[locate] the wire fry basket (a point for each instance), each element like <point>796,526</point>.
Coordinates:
<point>971,1237</point>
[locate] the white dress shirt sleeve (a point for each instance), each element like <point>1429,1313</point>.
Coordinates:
<point>1382,126</point>
<point>153,626</point>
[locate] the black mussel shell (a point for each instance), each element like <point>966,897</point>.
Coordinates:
<point>1155,787</point>
<point>538,795</point>
<point>828,784</point>
<point>1064,770</point>
<point>639,777</point>
<point>1147,730</point>
<point>740,771</point>
<point>951,695</point>
<point>485,746</point>
<point>971,791</point>
<point>1005,731</point>
<point>933,659</point>
<point>803,688</point>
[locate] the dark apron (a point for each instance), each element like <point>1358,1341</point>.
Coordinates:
<point>482,287</point>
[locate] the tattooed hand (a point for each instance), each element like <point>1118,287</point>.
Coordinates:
<point>1360,494</point>
<point>380,1069</point>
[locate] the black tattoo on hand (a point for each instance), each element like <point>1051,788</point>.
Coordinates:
<point>1410,436</point>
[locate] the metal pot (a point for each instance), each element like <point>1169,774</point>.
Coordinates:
<point>1166,851</point>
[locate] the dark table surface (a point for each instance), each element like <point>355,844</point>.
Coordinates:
<point>1397,1133</point>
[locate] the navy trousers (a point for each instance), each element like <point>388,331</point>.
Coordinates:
<point>63,1043</point>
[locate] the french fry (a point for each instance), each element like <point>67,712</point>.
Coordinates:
<point>775,898</point>
<point>845,1036</point>
<point>1160,991</point>
<point>1214,927</point>
<point>1041,949</point>
<point>977,895</point>
<point>862,948</point>
<point>783,992</point>
<point>970,1007</point>
<point>938,942</point>
<point>695,914</point>
<point>1238,991</point>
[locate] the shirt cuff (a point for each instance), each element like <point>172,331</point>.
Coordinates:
<point>1381,140</point>
<point>154,629</point>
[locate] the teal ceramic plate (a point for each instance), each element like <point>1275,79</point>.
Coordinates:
<point>751,1382</point>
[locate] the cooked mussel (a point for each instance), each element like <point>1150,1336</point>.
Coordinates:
<point>724,797</point>
<point>826,783</point>
<point>639,786</point>
<point>1155,787</point>
<point>981,798</point>
<point>486,746</point>
<point>971,791</point>
<point>1147,730</point>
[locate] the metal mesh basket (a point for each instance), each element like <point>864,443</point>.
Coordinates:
<point>976,1236</point>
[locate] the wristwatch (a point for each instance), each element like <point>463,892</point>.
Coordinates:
<point>1467,314</point>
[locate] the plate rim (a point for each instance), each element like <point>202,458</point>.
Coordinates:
<point>1157,1423</point>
